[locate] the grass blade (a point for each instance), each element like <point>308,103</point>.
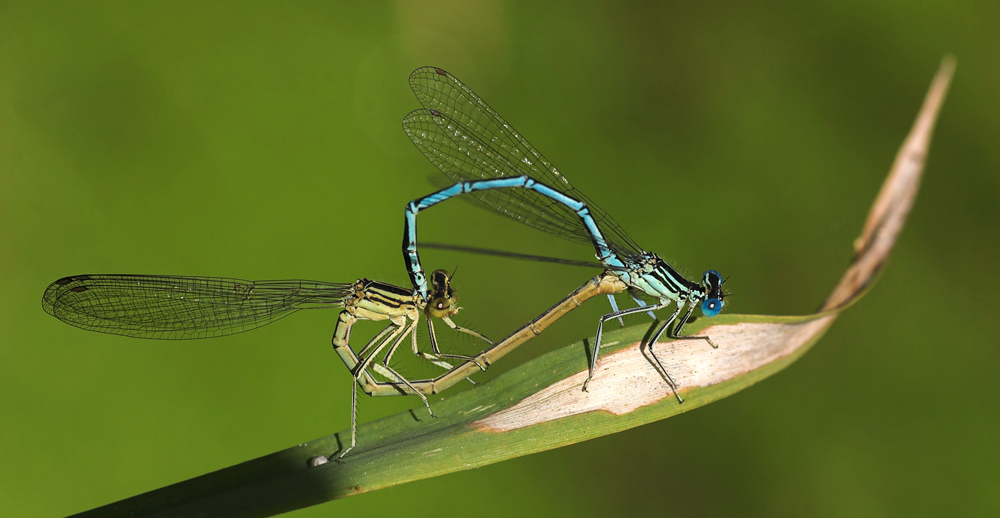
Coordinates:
<point>539,405</point>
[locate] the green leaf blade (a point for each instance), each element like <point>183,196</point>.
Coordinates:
<point>540,405</point>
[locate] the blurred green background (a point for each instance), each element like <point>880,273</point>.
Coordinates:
<point>263,141</point>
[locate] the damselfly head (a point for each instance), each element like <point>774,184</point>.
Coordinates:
<point>712,282</point>
<point>442,301</point>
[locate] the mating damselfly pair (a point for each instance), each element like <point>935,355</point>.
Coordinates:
<point>468,141</point>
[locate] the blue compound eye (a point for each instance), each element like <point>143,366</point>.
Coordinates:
<point>711,307</point>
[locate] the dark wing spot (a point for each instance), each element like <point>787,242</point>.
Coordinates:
<point>440,72</point>
<point>64,281</point>
<point>78,289</point>
<point>434,112</point>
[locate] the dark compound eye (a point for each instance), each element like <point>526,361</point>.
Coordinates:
<point>711,307</point>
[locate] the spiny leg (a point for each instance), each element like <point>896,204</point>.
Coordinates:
<point>436,355</point>
<point>437,350</point>
<point>371,387</point>
<point>652,342</point>
<point>380,388</point>
<point>460,329</point>
<point>354,418</point>
<point>614,307</point>
<point>600,332</point>
<point>408,384</point>
<point>378,337</point>
<point>680,325</point>
<point>396,338</point>
<point>341,340</point>
<point>436,361</point>
<point>384,369</point>
<point>635,296</point>
<point>659,332</point>
<point>341,344</point>
<point>441,363</point>
<point>358,370</point>
<point>392,350</point>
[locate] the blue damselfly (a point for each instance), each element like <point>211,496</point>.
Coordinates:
<point>468,141</point>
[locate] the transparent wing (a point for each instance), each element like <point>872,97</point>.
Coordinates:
<point>467,140</point>
<point>179,308</point>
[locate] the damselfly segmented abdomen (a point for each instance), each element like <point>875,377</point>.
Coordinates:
<point>471,143</point>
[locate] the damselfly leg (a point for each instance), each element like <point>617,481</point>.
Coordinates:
<point>442,303</point>
<point>178,308</point>
<point>470,143</point>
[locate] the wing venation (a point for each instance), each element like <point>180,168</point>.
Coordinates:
<point>178,308</point>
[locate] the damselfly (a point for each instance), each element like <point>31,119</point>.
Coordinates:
<point>468,141</point>
<point>180,308</point>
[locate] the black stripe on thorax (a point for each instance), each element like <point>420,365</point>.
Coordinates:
<point>386,287</point>
<point>674,280</point>
<point>387,294</point>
